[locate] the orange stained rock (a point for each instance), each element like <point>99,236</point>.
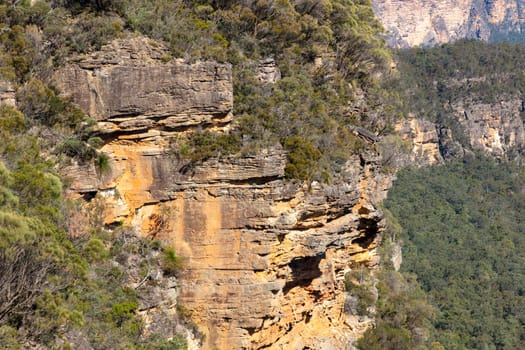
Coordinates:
<point>131,176</point>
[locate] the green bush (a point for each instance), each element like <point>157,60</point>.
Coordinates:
<point>78,149</point>
<point>14,228</point>
<point>11,120</point>
<point>123,311</point>
<point>39,191</point>
<point>41,104</point>
<point>171,263</point>
<point>160,342</point>
<point>209,144</point>
<point>9,338</point>
<point>386,337</point>
<point>95,142</point>
<point>95,250</point>
<point>103,163</point>
<point>302,158</point>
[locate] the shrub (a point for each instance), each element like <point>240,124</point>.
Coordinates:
<point>95,142</point>
<point>9,338</point>
<point>124,311</point>
<point>177,343</point>
<point>208,144</point>
<point>303,158</point>
<point>103,163</point>
<point>95,250</point>
<point>386,337</point>
<point>11,120</point>
<point>39,191</point>
<point>171,262</point>
<point>78,149</point>
<point>41,104</point>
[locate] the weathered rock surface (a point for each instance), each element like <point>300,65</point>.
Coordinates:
<point>133,92</point>
<point>423,139</point>
<point>267,71</point>
<point>265,259</point>
<point>268,260</point>
<point>495,129</point>
<point>425,23</point>
<point>7,94</point>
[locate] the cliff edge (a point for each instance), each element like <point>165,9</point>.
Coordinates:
<point>265,258</point>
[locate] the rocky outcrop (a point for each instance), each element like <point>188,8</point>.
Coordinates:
<point>426,23</point>
<point>7,94</point>
<point>495,129</point>
<point>267,71</point>
<point>265,258</point>
<point>134,90</point>
<point>423,141</point>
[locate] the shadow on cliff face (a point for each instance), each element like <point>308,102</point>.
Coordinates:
<point>304,271</point>
<point>370,229</point>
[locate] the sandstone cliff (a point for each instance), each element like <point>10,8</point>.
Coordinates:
<point>265,259</point>
<point>7,93</point>
<point>426,23</point>
<point>495,129</point>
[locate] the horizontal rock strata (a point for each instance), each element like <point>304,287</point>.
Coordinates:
<point>265,258</point>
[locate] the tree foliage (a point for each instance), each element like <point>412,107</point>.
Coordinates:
<point>463,238</point>
<point>468,72</point>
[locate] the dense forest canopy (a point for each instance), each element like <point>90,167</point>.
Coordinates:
<point>463,237</point>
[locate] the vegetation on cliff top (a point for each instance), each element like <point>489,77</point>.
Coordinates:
<point>329,52</point>
<point>432,80</point>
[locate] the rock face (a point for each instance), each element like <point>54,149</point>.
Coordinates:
<point>132,91</point>
<point>7,94</point>
<point>423,139</point>
<point>267,71</point>
<point>265,259</point>
<point>495,129</point>
<point>425,23</point>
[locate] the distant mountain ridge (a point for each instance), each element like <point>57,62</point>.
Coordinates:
<point>411,23</point>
